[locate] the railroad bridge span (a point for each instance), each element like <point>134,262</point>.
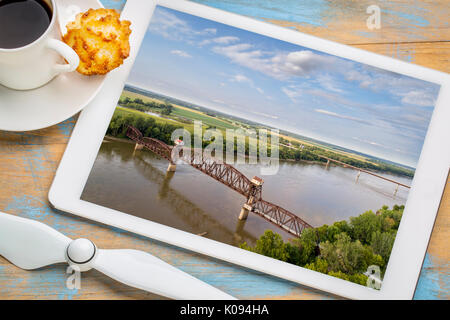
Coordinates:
<point>228,175</point>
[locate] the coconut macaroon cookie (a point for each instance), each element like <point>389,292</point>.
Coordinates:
<point>100,39</point>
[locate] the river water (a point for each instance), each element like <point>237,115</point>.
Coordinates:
<point>137,183</point>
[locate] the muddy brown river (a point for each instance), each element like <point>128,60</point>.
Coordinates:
<point>137,183</point>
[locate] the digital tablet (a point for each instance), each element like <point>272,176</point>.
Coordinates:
<point>264,147</point>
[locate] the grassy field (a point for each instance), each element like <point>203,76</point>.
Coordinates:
<point>133,95</point>
<point>189,127</point>
<point>191,114</point>
<point>311,144</point>
<point>220,124</point>
<point>206,119</point>
<point>185,115</point>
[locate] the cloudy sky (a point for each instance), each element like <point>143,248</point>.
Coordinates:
<point>285,86</point>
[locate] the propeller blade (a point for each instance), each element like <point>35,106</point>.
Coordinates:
<point>146,272</point>
<point>30,244</point>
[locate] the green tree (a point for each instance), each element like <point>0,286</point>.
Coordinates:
<point>344,255</point>
<point>115,125</point>
<point>156,132</point>
<point>167,109</point>
<point>356,278</point>
<point>364,225</point>
<point>139,123</point>
<point>339,254</point>
<point>272,245</point>
<point>319,265</point>
<point>125,101</point>
<point>382,242</point>
<point>308,245</point>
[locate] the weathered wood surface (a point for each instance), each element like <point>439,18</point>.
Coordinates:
<point>415,31</point>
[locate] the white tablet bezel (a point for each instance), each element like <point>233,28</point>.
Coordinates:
<point>421,208</point>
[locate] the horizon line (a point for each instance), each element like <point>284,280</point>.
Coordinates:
<point>258,122</point>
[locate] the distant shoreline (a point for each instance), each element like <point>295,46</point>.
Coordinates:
<point>289,135</point>
<point>111,138</point>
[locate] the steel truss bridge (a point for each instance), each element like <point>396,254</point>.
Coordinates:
<point>226,174</point>
<point>345,165</point>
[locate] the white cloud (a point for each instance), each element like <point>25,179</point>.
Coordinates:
<point>281,66</point>
<point>265,115</point>
<point>410,91</point>
<point>292,93</point>
<point>369,142</point>
<point>243,79</point>
<point>311,89</point>
<point>323,70</point>
<point>220,40</point>
<point>341,116</point>
<point>171,27</point>
<point>329,83</point>
<point>301,63</point>
<point>210,31</point>
<point>226,40</point>
<point>327,71</point>
<point>164,22</point>
<point>181,53</point>
<point>376,144</point>
<point>420,98</point>
<point>240,54</point>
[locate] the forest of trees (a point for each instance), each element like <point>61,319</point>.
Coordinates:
<point>150,128</point>
<point>147,125</point>
<point>311,153</point>
<point>344,249</point>
<point>140,105</point>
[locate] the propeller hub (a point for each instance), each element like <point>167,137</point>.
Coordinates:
<point>81,252</point>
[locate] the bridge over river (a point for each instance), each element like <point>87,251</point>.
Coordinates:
<point>226,174</point>
<point>345,165</point>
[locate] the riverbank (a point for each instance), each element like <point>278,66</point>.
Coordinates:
<point>162,129</point>
<point>111,138</point>
<point>192,201</point>
<point>301,161</point>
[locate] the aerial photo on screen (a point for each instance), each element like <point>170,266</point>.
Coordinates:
<point>349,139</point>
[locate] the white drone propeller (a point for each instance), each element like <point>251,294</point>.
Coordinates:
<point>31,245</point>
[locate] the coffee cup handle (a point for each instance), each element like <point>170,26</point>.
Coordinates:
<point>67,53</point>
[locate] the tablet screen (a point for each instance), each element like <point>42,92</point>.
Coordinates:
<point>276,148</point>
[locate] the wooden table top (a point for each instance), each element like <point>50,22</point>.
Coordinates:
<point>415,31</point>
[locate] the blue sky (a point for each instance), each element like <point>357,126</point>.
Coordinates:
<point>285,86</point>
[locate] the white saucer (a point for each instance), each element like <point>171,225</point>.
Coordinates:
<point>56,101</point>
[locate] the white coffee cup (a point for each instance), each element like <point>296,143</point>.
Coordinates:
<point>36,63</point>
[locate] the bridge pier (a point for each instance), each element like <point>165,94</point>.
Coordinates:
<point>239,229</point>
<point>328,164</point>
<point>357,176</point>
<point>246,208</point>
<point>138,146</point>
<point>396,190</point>
<point>255,192</point>
<point>172,167</point>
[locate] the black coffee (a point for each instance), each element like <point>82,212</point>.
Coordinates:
<point>22,22</point>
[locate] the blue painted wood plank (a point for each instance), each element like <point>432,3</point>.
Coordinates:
<point>35,163</point>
